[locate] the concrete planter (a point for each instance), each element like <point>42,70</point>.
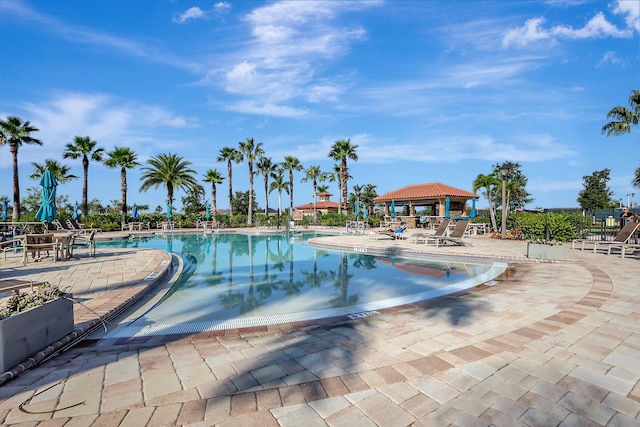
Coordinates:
<point>24,334</point>
<point>544,251</point>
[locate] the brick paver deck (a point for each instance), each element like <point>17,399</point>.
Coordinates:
<point>545,344</point>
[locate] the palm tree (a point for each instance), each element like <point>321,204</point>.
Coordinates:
<point>291,164</point>
<point>229,154</point>
<point>636,179</point>
<point>86,148</point>
<point>267,168</point>
<point>251,151</point>
<point>336,175</point>
<point>623,117</point>
<point>486,182</point>
<point>214,177</point>
<point>322,189</point>
<point>314,174</point>
<point>126,159</point>
<point>60,172</point>
<point>278,184</point>
<point>15,132</point>
<point>171,171</point>
<point>341,151</point>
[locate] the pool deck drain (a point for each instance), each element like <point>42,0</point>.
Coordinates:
<point>548,344</point>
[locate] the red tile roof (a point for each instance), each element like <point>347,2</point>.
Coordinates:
<point>431,190</point>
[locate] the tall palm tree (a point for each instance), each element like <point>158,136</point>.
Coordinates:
<point>636,179</point>
<point>126,159</point>
<point>315,174</point>
<point>171,171</point>
<point>266,168</point>
<point>291,164</point>
<point>86,148</point>
<point>322,188</point>
<point>15,132</point>
<point>229,155</point>
<point>60,172</point>
<point>341,151</point>
<point>250,151</point>
<point>623,117</point>
<point>279,184</point>
<point>487,182</point>
<point>214,177</point>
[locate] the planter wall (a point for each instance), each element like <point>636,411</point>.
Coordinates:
<point>24,334</point>
<point>542,251</point>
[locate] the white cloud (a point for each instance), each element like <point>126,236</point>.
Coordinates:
<point>610,57</point>
<point>191,13</point>
<point>105,119</point>
<point>631,10</point>
<point>533,31</point>
<point>196,13</point>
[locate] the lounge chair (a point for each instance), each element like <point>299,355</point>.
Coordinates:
<point>440,231</point>
<point>621,238</point>
<point>455,238</point>
<point>396,234</point>
<point>62,225</point>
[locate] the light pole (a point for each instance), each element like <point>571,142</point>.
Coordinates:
<point>504,170</point>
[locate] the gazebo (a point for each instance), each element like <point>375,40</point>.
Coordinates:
<point>434,195</point>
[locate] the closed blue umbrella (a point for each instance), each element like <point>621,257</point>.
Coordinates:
<point>5,207</point>
<point>75,211</point>
<point>473,208</point>
<point>393,208</point>
<point>356,209</point>
<point>47,211</point>
<point>364,211</point>
<point>169,208</point>
<point>134,212</point>
<point>207,214</point>
<point>447,202</point>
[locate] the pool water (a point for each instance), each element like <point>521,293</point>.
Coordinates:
<point>236,280</point>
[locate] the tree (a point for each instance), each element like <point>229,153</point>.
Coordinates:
<point>595,195</point>
<point>291,164</point>
<point>623,117</point>
<point>60,172</point>
<point>241,203</point>
<point>341,151</point>
<point>636,179</point>
<point>251,151</point>
<point>15,132</point>
<point>229,155</point>
<point>314,174</point>
<point>86,148</point>
<point>489,183</point>
<point>214,177</point>
<point>368,194</point>
<point>519,181</point>
<point>126,159</point>
<point>278,184</point>
<point>267,168</point>
<point>193,200</point>
<point>169,170</point>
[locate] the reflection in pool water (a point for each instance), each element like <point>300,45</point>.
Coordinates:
<point>236,280</point>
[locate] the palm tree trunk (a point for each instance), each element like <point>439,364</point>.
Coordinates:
<point>250,213</point>
<point>266,195</point>
<point>492,212</point>
<point>16,184</point>
<point>85,186</point>
<point>344,183</point>
<point>213,197</point>
<point>230,173</point>
<point>123,183</point>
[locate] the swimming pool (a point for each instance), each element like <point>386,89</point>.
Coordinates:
<point>233,280</point>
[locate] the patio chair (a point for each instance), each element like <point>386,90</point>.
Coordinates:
<point>86,242</point>
<point>79,228</point>
<point>455,238</point>
<point>621,238</point>
<point>36,243</point>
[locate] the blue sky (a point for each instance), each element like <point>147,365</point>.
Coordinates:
<point>429,91</point>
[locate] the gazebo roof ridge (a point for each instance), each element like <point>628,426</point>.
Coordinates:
<point>430,190</point>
